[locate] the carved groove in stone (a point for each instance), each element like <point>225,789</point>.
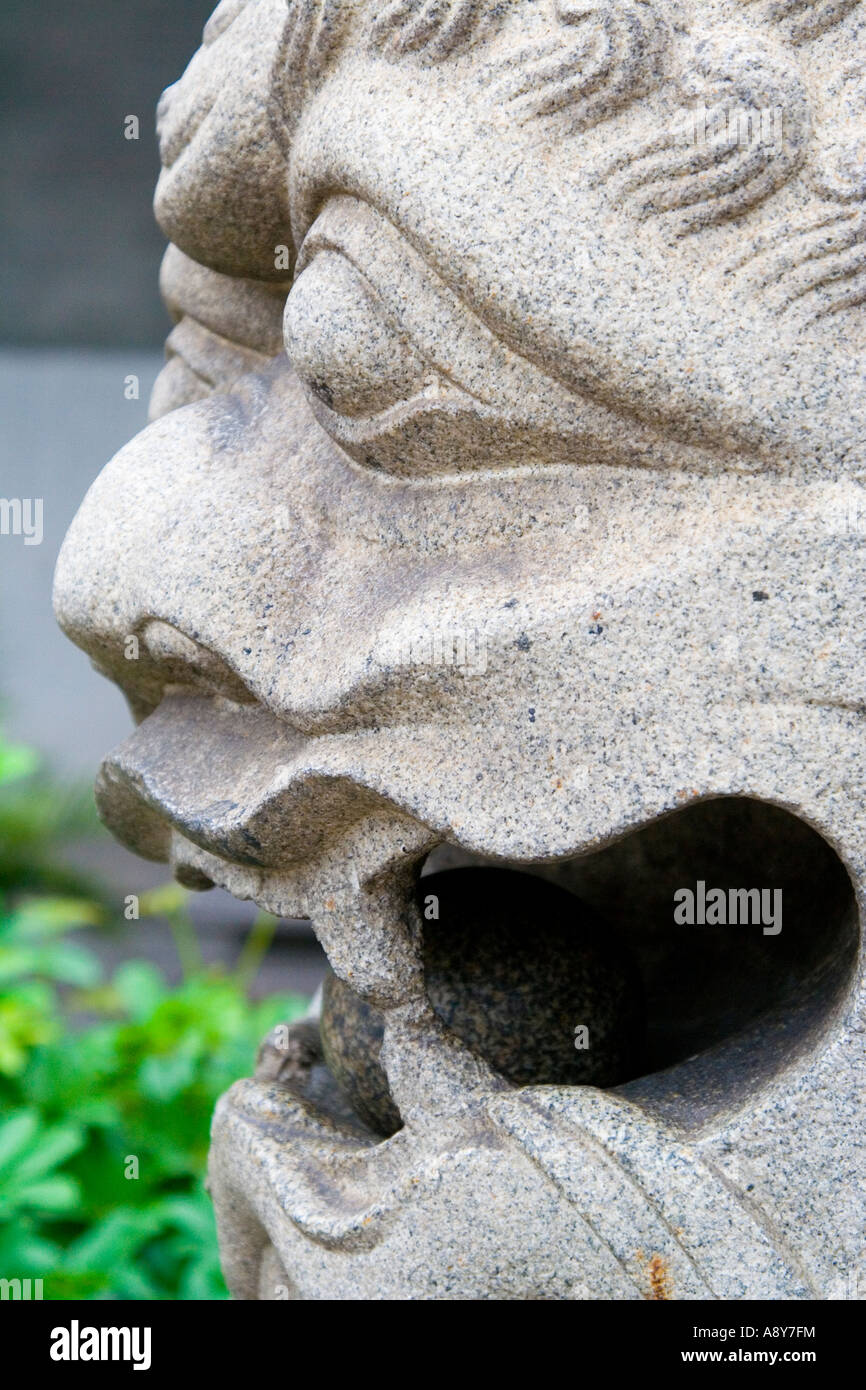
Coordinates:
<point>741,132</point>
<point>432,30</point>
<point>806,19</point>
<point>602,56</point>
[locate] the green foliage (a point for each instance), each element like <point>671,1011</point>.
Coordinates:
<point>104,1128</point>
<point>37,818</point>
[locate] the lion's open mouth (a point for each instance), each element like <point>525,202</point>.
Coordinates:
<point>689,1009</point>
<point>470,1073</point>
<point>688,1018</point>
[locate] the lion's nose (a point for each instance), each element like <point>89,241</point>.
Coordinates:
<point>183,663</point>
<point>192,566</point>
<point>157,552</point>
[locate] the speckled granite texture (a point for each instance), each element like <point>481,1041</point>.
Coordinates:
<point>504,504</point>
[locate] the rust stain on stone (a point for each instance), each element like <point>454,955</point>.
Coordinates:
<point>661,1284</point>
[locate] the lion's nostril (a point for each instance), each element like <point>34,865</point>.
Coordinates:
<point>186,663</point>
<point>167,643</point>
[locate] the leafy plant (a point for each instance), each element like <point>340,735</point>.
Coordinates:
<point>104,1129</point>
<point>38,817</point>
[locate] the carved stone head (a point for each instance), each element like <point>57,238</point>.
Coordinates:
<point>503,503</point>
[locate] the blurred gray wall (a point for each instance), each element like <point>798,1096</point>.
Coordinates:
<point>79,250</point>
<point>79,313</point>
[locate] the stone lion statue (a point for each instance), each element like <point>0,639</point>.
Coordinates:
<point>502,507</point>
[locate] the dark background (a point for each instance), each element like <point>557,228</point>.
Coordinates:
<point>80,250</point>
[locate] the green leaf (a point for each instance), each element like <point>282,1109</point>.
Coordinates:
<point>163,901</point>
<point>71,965</point>
<point>164,1078</point>
<point>16,761</point>
<point>140,988</point>
<point>55,1146</point>
<point>46,916</point>
<point>27,1252</point>
<point>59,1195</point>
<point>16,962</point>
<point>16,1134</point>
<point>116,1239</point>
<point>28,1019</point>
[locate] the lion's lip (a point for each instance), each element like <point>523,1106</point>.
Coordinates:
<point>231,778</point>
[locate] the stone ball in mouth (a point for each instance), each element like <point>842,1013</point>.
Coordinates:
<point>524,973</point>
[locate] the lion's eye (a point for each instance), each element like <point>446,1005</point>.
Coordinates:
<point>342,343</point>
